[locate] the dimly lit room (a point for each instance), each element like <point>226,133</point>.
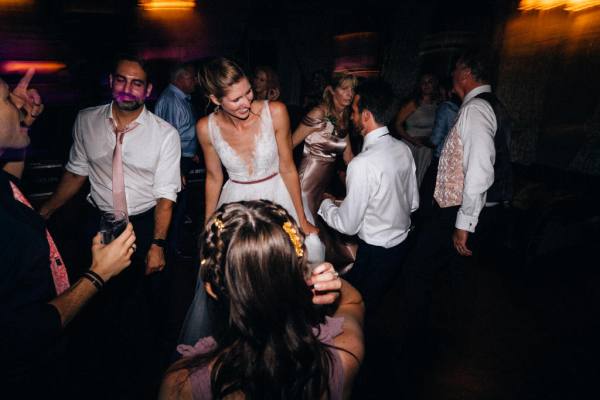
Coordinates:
<point>329,199</point>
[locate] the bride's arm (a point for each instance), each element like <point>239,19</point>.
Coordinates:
<point>287,169</point>
<point>214,171</point>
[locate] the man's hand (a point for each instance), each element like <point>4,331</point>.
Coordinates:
<point>155,259</point>
<point>109,260</point>
<point>459,239</point>
<point>328,196</point>
<point>325,283</point>
<point>27,100</point>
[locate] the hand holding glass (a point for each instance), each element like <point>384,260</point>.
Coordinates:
<point>112,224</point>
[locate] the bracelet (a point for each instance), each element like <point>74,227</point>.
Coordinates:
<point>95,279</point>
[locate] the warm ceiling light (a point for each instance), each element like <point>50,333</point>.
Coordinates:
<point>41,67</point>
<point>167,4</point>
<point>568,5</point>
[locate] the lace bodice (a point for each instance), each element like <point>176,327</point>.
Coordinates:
<point>265,158</point>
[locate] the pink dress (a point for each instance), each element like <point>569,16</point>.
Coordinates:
<point>317,170</point>
<point>200,378</point>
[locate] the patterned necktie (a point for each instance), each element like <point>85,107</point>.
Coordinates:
<point>57,266</point>
<point>118,176</point>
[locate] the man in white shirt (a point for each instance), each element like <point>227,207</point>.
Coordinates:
<point>132,306</point>
<point>382,192</point>
<point>474,182</point>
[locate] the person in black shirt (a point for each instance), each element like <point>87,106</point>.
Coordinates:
<point>33,314</point>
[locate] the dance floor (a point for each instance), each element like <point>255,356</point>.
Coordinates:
<point>523,325</point>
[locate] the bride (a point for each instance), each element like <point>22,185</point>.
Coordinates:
<point>252,140</point>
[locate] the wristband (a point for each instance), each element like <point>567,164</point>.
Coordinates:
<point>96,280</point>
<point>160,242</point>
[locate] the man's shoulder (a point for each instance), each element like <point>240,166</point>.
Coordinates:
<point>93,111</point>
<point>160,124</point>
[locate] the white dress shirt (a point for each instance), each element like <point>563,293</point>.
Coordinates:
<point>382,192</point>
<point>476,124</point>
<point>151,153</point>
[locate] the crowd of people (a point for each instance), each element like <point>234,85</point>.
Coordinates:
<point>294,260</point>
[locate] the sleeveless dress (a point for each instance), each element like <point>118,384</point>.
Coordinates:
<point>200,378</point>
<point>317,170</point>
<point>420,124</point>
<point>265,164</point>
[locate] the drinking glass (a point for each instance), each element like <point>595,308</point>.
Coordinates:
<point>112,224</point>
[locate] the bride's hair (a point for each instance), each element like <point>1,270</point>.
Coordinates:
<point>252,255</point>
<point>219,74</point>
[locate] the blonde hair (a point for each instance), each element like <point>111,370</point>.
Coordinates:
<point>218,75</point>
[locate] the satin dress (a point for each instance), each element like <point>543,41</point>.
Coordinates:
<point>317,170</point>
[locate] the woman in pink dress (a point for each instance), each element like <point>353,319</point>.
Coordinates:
<point>269,340</point>
<point>325,133</point>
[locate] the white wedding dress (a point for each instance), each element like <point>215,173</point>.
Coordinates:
<point>265,164</point>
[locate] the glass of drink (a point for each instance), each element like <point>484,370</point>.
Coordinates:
<point>112,224</point>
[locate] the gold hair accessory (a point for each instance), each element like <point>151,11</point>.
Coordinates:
<point>294,238</point>
<point>220,225</point>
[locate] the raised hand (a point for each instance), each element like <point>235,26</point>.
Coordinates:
<point>325,283</point>
<point>26,99</point>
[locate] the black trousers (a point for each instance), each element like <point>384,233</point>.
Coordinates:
<point>374,272</point>
<point>118,341</point>
<point>434,253</point>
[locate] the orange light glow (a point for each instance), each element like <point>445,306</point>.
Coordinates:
<point>41,67</point>
<point>568,5</point>
<point>16,3</point>
<point>153,5</point>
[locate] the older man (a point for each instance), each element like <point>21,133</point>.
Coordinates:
<point>174,106</point>
<point>474,182</point>
<point>37,300</point>
<point>131,159</point>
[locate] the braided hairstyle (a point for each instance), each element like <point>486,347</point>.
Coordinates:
<point>263,311</point>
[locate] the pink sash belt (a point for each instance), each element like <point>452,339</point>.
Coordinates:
<point>256,181</point>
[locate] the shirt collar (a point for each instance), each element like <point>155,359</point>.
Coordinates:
<point>375,134</point>
<point>178,92</point>
<point>140,120</point>
<point>476,91</point>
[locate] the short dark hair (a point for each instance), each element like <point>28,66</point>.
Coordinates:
<point>132,58</point>
<point>179,68</point>
<point>377,96</point>
<point>477,62</point>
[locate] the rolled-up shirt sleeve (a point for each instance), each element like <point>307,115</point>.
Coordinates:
<point>479,154</point>
<point>349,216</point>
<point>167,178</point>
<point>78,161</point>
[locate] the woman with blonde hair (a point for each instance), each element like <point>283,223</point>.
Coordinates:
<point>325,131</point>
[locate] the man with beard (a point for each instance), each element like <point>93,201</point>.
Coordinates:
<point>131,158</point>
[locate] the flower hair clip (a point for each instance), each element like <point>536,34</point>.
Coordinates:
<point>294,238</point>
<point>219,224</point>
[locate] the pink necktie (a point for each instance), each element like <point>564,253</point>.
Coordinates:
<point>57,266</point>
<point>118,176</point>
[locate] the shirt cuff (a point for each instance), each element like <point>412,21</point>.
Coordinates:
<point>167,195</point>
<point>465,222</point>
<point>75,170</point>
<point>325,205</point>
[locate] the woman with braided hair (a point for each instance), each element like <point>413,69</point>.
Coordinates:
<point>270,341</point>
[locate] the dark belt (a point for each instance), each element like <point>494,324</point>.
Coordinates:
<point>256,181</point>
<point>132,218</point>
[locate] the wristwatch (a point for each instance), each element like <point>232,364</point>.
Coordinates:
<point>159,242</point>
